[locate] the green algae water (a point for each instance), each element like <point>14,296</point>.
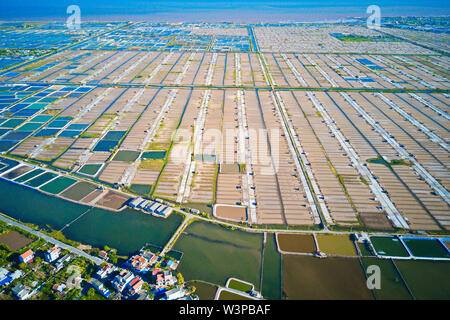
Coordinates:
<point>271,287</point>
<point>127,231</point>
<point>214,254</point>
<point>428,280</point>
<point>392,286</point>
<point>425,247</point>
<point>389,246</point>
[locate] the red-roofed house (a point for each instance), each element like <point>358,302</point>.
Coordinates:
<point>27,256</point>
<point>135,285</point>
<point>104,272</point>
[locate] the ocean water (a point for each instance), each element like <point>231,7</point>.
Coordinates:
<point>251,11</point>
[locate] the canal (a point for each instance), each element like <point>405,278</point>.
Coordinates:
<point>126,231</point>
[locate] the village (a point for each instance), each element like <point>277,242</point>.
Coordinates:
<point>39,270</point>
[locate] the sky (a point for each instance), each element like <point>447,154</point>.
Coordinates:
<point>214,10</point>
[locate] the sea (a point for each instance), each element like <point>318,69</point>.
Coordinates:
<point>249,11</point>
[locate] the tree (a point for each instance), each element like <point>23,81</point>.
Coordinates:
<point>90,295</point>
<point>145,286</point>
<point>180,278</point>
<point>113,257</point>
<point>191,289</point>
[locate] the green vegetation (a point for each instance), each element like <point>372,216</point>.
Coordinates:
<point>336,244</point>
<point>239,285</point>
<point>226,295</point>
<point>90,135</point>
<point>361,38</point>
<point>151,164</point>
<point>400,162</point>
<point>393,162</point>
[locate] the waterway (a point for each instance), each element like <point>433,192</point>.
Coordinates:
<point>126,231</point>
<point>214,254</point>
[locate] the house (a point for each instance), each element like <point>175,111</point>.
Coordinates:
<point>64,259</point>
<point>156,207</point>
<point>4,276</point>
<point>135,285</point>
<point>21,292</point>
<point>152,206</point>
<point>59,287</point>
<point>60,263</point>
<point>143,296</point>
<point>143,204</point>
<point>164,279</point>
<point>163,211</point>
<point>150,256</point>
<point>142,261</point>
<point>139,263</point>
<point>104,272</point>
<point>160,280</point>
<point>76,281</point>
<point>175,293</point>
<point>169,278</point>
<point>27,256</point>
<point>166,212</point>
<point>52,254</point>
<point>100,287</point>
<point>103,254</point>
<point>360,237</point>
<point>170,264</point>
<point>135,202</point>
<point>122,279</point>
<point>3,273</point>
<point>16,275</point>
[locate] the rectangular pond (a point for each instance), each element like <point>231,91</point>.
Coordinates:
<point>426,247</point>
<point>389,246</point>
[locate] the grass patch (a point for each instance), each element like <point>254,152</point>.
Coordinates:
<point>240,286</point>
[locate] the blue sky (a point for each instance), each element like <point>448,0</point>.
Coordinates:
<point>215,10</point>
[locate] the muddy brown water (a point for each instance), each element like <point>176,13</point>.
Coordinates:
<point>301,243</point>
<point>307,277</point>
